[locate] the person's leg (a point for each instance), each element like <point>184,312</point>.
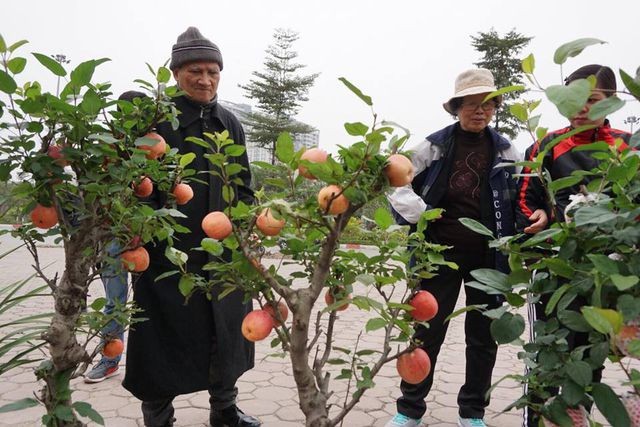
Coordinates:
<point>445,287</point>
<point>114,280</point>
<point>158,413</point>
<point>481,351</point>
<point>222,398</point>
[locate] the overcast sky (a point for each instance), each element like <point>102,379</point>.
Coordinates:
<point>405,54</point>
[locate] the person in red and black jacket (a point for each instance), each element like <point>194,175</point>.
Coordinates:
<point>534,210</point>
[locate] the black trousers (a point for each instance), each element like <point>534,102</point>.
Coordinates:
<point>159,413</point>
<point>481,348</point>
<point>222,394</point>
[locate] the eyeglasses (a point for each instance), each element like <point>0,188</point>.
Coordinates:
<point>473,106</point>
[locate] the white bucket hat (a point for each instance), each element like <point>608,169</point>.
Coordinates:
<point>472,82</point>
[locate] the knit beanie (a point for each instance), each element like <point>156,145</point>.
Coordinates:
<point>192,46</point>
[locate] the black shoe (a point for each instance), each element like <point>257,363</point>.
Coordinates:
<point>232,417</point>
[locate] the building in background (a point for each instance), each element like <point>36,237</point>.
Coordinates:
<point>256,153</point>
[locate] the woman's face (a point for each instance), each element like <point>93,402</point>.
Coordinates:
<point>581,118</point>
<point>474,115</point>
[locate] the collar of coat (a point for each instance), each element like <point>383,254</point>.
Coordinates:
<point>444,136</point>
<point>190,111</point>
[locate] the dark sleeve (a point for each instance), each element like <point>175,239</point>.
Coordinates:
<point>245,193</point>
<point>531,193</point>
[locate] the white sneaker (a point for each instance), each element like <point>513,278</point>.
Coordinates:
<point>471,422</point>
<point>403,421</point>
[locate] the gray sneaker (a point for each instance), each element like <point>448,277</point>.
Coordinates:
<point>403,421</point>
<point>103,370</point>
<point>471,422</point>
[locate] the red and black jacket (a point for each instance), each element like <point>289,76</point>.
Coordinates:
<point>560,161</point>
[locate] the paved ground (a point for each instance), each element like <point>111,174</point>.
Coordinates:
<point>268,391</point>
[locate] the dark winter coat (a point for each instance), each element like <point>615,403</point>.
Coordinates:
<point>170,352</point>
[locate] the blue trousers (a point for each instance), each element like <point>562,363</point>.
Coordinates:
<point>114,279</point>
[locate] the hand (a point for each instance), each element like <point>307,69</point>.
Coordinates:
<point>539,220</point>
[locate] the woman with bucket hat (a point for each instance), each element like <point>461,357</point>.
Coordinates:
<point>455,170</point>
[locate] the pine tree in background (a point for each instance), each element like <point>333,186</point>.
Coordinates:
<point>501,57</point>
<point>279,92</point>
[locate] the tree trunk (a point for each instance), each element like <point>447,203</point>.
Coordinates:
<point>313,402</point>
<point>70,297</point>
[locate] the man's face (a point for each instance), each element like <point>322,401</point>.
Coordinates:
<point>199,80</point>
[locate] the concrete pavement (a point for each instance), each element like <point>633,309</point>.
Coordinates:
<point>268,391</point>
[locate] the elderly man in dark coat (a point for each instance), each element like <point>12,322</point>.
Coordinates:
<point>182,348</point>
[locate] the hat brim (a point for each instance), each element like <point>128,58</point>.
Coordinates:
<point>469,91</point>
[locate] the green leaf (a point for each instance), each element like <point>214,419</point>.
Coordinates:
<point>541,237</point>
<point>580,372</point>
<point>603,320</point>
<point>572,393</point>
<point>529,64</point>
<point>574,321</point>
<point>593,215</point>
<point>98,304</point>
<point>235,150</point>
<point>476,226</point>
<point>610,405</point>
<point>356,129</point>
<point>494,278</point>
<point>603,264</point>
<point>228,194</point>
<point>7,84</point>
<point>212,246</point>
<point>16,45</point>
<point>284,147</point>
<point>83,73</point>
<point>177,257</point>
<point>233,169</point>
<point>85,410</point>
<point>3,44</point>
<point>622,283</point>
<point>569,99</point>
<point>164,75</point>
<point>186,159</point>
<point>632,84</point>
<point>519,111</point>
<point>605,107</point>
<point>375,324</point>
<point>541,133</point>
<point>559,267</point>
<point>594,146</point>
<point>91,103</point>
<point>18,405</point>
<point>51,64</point>
<point>367,99</point>
<point>564,182</point>
<point>366,279</point>
<point>503,90</point>
<point>383,218</point>
<point>63,413</point>
<point>166,274</point>
<point>186,284</point>
<point>573,48</point>
<point>508,328</point>
<point>16,65</point>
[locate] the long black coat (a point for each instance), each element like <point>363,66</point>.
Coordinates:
<point>170,353</point>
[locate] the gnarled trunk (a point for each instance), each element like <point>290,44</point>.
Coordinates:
<point>70,296</point>
<point>313,402</point>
